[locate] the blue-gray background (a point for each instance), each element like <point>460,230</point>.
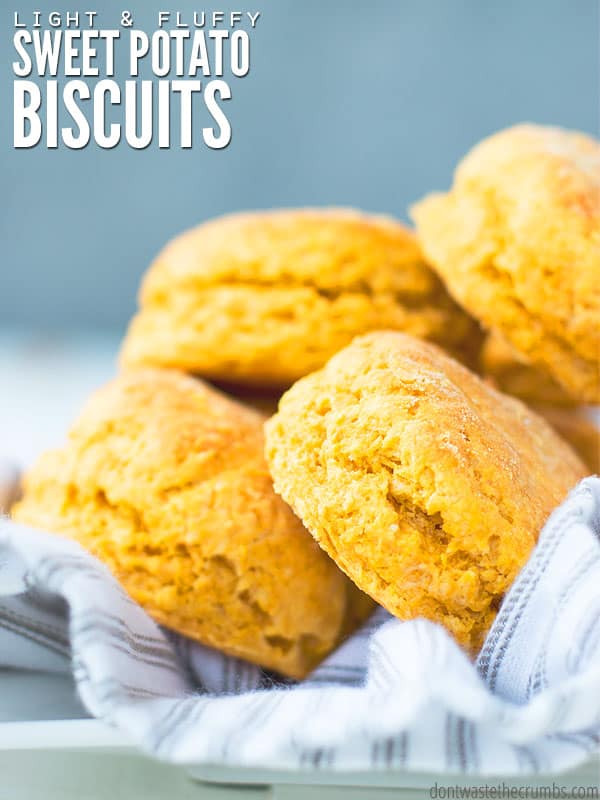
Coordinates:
<point>365,104</point>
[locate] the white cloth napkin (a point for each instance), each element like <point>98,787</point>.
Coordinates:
<point>396,695</point>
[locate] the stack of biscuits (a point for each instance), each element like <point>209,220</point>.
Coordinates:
<point>322,410</point>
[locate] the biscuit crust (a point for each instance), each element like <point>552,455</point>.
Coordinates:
<point>164,479</point>
<point>264,298</point>
<point>424,484</point>
<point>517,241</point>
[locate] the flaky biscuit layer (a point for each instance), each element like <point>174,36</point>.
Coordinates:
<point>424,484</point>
<point>264,298</point>
<point>165,480</point>
<point>517,242</point>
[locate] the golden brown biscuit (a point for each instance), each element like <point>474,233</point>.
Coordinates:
<point>264,298</point>
<point>165,480</point>
<point>517,241</point>
<point>513,374</point>
<point>575,428</point>
<point>424,484</point>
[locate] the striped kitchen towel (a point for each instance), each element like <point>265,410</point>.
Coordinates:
<point>398,695</point>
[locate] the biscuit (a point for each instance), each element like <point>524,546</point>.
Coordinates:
<point>580,432</point>
<point>424,484</point>
<point>517,242</point>
<point>264,298</point>
<point>513,374</point>
<point>165,480</point>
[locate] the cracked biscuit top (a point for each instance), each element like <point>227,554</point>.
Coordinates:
<point>517,242</point>
<point>165,480</point>
<point>264,298</point>
<point>424,484</point>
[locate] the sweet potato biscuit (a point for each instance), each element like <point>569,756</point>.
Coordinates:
<point>424,484</point>
<point>513,374</point>
<point>264,298</point>
<point>165,480</point>
<point>517,241</point>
